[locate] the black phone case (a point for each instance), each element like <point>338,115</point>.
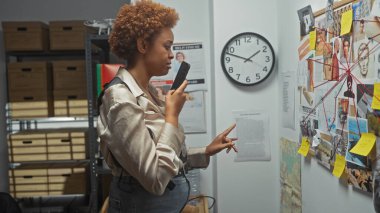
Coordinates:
<point>181,75</point>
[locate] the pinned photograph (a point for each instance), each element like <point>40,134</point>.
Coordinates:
<point>346,53</point>
<point>364,99</point>
<point>342,113</point>
<point>306,19</point>
<point>335,58</point>
<point>359,178</point>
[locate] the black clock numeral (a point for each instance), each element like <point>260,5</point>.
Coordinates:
<point>237,42</point>
<point>247,79</point>
<point>230,69</point>
<point>265,49</point>
<point>228,59</point>
<point>265,69</point>
<point>257,41</point>
<point>238,76</point>
<point>247,39</point>
<point>267,59</point>
<point>231,50</point>
<point>258,76</point>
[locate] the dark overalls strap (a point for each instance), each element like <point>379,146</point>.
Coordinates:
<point>114,81</point>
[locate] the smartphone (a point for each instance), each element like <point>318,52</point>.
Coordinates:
<point>181,75</point>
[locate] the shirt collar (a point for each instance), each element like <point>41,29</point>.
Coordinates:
<point>125,76</point>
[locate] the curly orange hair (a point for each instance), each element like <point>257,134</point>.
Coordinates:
<point>144,19</point>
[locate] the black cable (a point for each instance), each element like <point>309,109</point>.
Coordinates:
<point>188,187</point>
<point>200,196</point>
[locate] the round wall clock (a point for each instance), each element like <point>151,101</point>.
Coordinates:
<point>248,59</point>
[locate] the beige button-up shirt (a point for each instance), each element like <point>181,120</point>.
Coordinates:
<point>143,145</point>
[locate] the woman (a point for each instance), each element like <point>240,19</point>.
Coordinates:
<point>141,139</point>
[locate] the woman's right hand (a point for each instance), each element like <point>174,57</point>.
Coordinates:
<point>174,101</point>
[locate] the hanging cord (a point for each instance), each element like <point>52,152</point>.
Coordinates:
<point>200,196</point>
<point>188,193</point>
<point>188,187</point>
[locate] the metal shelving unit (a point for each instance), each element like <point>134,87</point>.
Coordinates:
<point>48,124</point>
<point>97,50</point>
<point>56,203</point>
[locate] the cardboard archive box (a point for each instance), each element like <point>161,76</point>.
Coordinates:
<point>69,75</point>
<point>46,182</point>
<point>70,103</point>
<point>30,89</point>
<point>66,146</point>
<point>27,147</point>
<point>25,36</point>
<point>67,35</point>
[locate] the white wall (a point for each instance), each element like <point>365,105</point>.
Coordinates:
<point>194,26</point>
<point>245,186</point>
<point>321,191</point>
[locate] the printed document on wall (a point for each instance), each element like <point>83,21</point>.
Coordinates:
<point>193,54</point>
<point>252,131</point>
<point>193,115</point>
<point>288,99</point>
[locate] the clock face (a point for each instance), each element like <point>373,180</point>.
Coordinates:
<point>247,59</point>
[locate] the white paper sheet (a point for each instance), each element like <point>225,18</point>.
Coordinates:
<point>193,115</point>
<point>288,96</point>
<point>252,131</point>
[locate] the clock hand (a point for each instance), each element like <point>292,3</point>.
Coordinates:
<point>245,59</point>
<point>249,59</point>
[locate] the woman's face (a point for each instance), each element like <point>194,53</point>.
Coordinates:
<point>179,57</point>
<point>159,54</point>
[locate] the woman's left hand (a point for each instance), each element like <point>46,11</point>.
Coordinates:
<point>221,142</point>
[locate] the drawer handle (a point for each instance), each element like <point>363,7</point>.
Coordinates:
<point>67,28</point>
<point>22,29</point>
<point>72,97</point>
<point>26,142</point>
<point>26,69</point>
<point>29,98</point>
<point>71,68</point>
<point>27,177</point>
<point>66,140</point>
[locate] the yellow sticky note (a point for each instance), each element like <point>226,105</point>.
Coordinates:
<point>312,39</point>
<point>339,165</point>
<point>364,145</point>
<point>376,97</point>
<point>305,146</point>
<point>346,22</point>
